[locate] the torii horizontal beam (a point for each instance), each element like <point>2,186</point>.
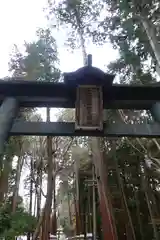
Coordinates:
<point>60,95</point>
<point>118,129</point>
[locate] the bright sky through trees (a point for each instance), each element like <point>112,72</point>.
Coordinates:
<point>19,20</point>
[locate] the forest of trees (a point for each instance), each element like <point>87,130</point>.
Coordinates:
<point>56,169</point>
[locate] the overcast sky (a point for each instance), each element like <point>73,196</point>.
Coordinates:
<point>19,20</point>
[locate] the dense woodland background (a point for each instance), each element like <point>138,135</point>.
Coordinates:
<point>56,169</point>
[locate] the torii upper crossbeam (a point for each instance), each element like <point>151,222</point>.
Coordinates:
<point>61,95</point>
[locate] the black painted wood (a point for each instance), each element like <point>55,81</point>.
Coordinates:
<point>118,129</point>
<point>47,94</point>
<point>8,111</point>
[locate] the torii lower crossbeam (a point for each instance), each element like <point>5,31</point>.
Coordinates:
<point>118,129</point>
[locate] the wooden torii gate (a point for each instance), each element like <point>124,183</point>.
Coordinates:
<point>89,90</point>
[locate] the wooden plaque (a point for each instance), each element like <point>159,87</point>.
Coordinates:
<point>89,108</point>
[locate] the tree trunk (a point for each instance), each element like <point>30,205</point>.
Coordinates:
<point>69,209</point>
<point>31,191</point>
<point>139,216</point>
<point>131,227</point>
<point>39,224</point>
<point>17,182</point>
<point>94,204</point>
<point>151,33</point>
<point>39,183</point>
<point>82,40</point>
<point>54,222</point>
<point>48,205</point>
<point>35,203</point>
<point>44,220</point>
<point>78,220</point>
<point>145,186</point>
<point>103,191</point>
<point>106,211</point>
<point>31,186</point>
<point>5,176</point>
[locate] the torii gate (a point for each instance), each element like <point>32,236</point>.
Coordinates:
<point>89,90</point>
<point>16,93</point>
